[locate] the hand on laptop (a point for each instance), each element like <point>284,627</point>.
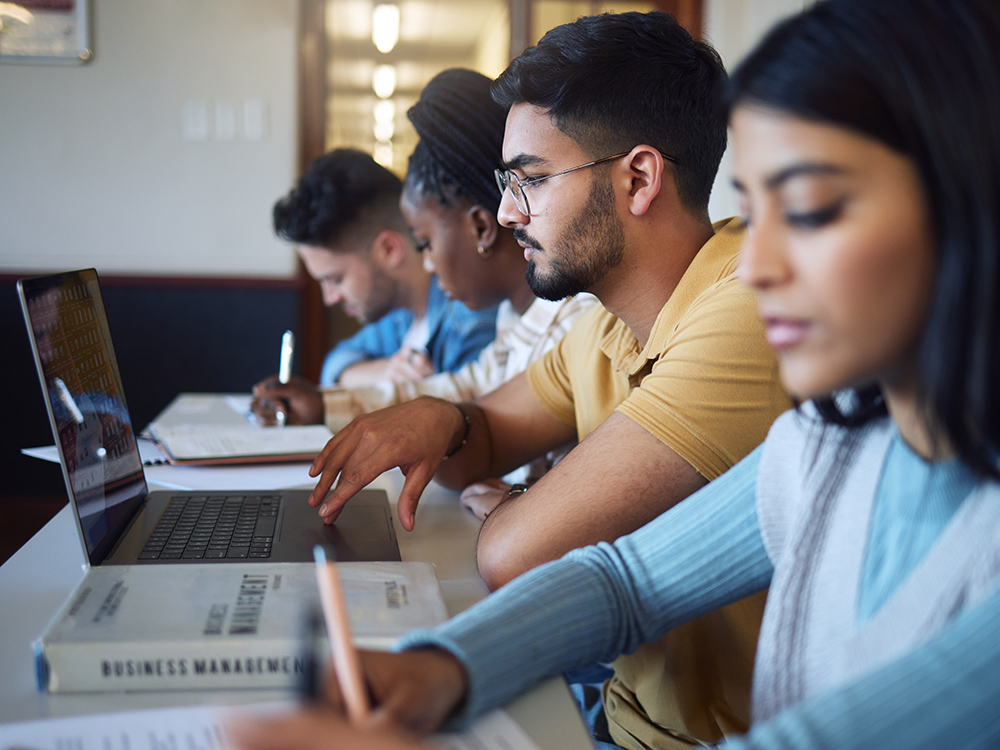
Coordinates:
<point>299,399</point>
<point>415,436</point>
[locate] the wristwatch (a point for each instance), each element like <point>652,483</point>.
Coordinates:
<point>516,490</point>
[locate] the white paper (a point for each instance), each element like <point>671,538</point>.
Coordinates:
<point>190,728</point>
<point>192,442</point>
<point>203,728</point>
<point>240,403</point>
<point>494,731</point>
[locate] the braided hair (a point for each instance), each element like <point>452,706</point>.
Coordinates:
<point>461,139</point>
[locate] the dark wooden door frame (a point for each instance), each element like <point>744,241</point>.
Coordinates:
<point>312,127</point>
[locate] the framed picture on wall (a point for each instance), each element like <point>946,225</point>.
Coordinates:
<point>45,32</point>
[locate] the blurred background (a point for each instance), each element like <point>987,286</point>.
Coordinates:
<point>158,158</point>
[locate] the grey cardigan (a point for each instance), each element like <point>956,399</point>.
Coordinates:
<point>815,495</point>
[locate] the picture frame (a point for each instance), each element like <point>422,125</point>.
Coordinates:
<point>45,32</point>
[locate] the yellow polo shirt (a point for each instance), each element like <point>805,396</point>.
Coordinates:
<point>707,385</point>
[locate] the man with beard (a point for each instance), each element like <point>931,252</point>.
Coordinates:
<point>610,150</point>
<point>344,217</point>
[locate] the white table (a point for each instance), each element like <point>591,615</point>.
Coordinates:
<point>38,578</point>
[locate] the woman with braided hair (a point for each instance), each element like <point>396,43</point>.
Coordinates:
<point>450,200</point>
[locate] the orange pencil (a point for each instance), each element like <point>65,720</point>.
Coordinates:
<point>346,663</point>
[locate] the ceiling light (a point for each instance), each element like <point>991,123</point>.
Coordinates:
<point>385,111</point>
<point>383,154</point>
<point>385,27</point>
<point>384,81</point>
<point>384,131</point>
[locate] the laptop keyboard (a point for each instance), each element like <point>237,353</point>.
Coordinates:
<point>211,527</point>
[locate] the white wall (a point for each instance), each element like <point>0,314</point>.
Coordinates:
<point>94,165</point>
<point>734,27</point>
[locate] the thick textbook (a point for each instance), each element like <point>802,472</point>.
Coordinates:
<point>223,626</point>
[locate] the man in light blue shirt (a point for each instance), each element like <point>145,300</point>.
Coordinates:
<point>344,217</point>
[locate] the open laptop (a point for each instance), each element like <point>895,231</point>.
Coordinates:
<point>115,513</point>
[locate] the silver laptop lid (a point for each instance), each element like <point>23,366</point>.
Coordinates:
<point>71,341</point>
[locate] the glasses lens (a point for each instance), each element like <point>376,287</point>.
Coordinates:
<point>518,194</point>
<point>506,180</point>
<point>501,179</point>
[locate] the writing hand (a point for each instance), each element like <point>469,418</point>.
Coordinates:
<point>408,364</point>
<point>413,693</point>
<point>415,436</point>
<point>302,399</point>
<point>482,497</point>
<point>414,690</point>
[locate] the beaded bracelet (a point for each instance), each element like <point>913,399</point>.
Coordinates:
<point>465,437</point>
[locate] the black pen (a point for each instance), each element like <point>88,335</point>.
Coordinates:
<point>313,655</point>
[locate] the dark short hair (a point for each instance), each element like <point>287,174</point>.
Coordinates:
<point>921,77</point>
<point>614,81</point>
<point>344,194</point>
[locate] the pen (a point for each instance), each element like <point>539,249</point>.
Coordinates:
<point>346,663</point>
<point>310,685</point>
<point>285,372</point>
<point>285,363</point>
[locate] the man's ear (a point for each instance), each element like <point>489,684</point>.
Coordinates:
<point>649,176</point>
<point>390,249</point>
<point>484,224</point>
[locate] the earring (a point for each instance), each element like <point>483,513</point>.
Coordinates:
<point>484,252</point>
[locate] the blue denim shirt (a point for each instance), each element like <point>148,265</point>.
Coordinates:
<point>457,334</point>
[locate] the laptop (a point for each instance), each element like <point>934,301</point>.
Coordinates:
<point>120,522</point>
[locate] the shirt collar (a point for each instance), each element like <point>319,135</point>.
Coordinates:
<point>715,261</point>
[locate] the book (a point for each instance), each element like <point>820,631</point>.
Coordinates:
<point>218,428</point>
<point>220,626</point>
<point>211,444</point>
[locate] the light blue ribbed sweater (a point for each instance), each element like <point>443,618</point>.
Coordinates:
<point>604,600</point>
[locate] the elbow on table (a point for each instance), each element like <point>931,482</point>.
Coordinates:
<point>501,559</point>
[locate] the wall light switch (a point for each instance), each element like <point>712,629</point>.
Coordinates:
<point>195,120</point>
<point>225,121</point>
<point>254,120</point>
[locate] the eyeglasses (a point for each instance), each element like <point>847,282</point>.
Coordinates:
<point>507,180</point>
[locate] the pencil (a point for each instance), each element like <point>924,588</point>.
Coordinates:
<point>346,663</point>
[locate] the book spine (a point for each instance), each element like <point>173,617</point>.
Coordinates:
<point>93,667</point>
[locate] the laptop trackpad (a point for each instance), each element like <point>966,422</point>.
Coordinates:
<point>363,530</point>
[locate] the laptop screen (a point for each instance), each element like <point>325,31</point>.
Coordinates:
<point>71,340</point>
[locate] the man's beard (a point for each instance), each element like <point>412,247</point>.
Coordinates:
<point>592,245</point>
<point>383,297</point>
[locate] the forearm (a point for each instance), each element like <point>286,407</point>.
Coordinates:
<point>456,387</point>
<point>608,599</point>
<point>508,427</point>
<point>469,450</point>
<point>363,373</point>
<point>374,341</point>
<point>615,481</point>
<point>942,695</point>
<point>342,404</point>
